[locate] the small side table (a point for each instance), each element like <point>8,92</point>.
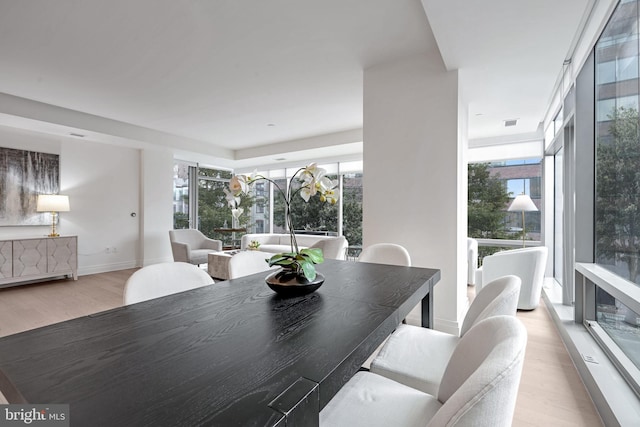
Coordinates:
<point>218,264</point>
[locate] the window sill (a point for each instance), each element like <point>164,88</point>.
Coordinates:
<point>614,399</point>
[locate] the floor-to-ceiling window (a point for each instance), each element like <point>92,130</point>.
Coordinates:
<point>200,202</point>
<point>617,146</point>
<point>612,309</point>
<point>315,216</point>
<point>492,188</point>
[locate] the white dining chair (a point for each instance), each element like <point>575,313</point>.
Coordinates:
<point>158,280</point>
<point>386,253</point>
<point>417,357</point>
<point>246,263</point>
<point>333,247</point>
<point>479,386</point>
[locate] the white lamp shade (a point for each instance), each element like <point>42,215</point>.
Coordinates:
<point>523,203</point>
<point>52,203</point>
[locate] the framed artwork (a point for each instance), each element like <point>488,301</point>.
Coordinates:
<point>24,175</point>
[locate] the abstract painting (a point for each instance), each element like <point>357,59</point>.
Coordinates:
<point>24,175</point>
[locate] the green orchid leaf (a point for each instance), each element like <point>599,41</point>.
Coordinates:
<point>314,255</point>
<point>284,262</point>
<point>274,260</point>
<point>282,256</point>
<point>308,270</point>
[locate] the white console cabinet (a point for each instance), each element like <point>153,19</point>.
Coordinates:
<point>40,258</point>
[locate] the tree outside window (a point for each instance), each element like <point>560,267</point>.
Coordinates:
<point>618,195</point>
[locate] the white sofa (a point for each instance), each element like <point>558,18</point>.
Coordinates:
<point>332,247</point>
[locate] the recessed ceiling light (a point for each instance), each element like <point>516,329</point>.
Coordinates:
<point>279,159</point>
<point>77,135</point>
<point>510,122</point>
<point>270,125</point>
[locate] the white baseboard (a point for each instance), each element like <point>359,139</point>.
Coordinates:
<point>448,326</point>
<point>156,261</point>
<point>105,268</point>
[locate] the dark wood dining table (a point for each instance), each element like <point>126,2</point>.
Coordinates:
<point>230,354</point>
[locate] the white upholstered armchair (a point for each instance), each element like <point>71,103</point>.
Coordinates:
<point>472,260</point>
<point>526,263</point>
<point>190,245</point>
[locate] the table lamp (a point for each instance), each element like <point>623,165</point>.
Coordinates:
<point>53,203</point>
<point>522,203</point>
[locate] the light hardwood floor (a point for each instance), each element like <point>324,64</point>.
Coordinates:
<point>551,392</point>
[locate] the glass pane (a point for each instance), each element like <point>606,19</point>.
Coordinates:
<point>314,216</point>
<point>558,226</point>
<point>213,210</point>
<point>259,211</point>
<point>180,195</point>
<point>352,208</point>
<point>617,228</point>
<point>214,214</point>
<point>492,187</point>
<point>621,324</point>
<point>278,205</point>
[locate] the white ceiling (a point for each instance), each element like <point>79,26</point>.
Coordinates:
<point>510,52</point>
<point>237,75</point>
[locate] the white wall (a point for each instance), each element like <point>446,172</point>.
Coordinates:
<point>157,206</point>
<point>105,185</point>
<point>412,172</point>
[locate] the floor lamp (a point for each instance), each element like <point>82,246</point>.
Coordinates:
<point>53,203</point>
<point>522,203</point>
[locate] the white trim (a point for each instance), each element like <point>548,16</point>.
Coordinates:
<point>626,292</point>
<point>105,268</point>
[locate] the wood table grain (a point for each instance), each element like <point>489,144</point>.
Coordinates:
<point>230,354</point>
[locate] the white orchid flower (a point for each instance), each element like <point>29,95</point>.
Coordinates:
<point>238,184</point>
<point>232,200</point>
<point>305,193</point>
<point>329,195</point>
<point>252,177</point>
<point>237,212</point>
<point>309,172</point>
<point>328,190</point>
<point>311,177</point>
<point>325,183</point>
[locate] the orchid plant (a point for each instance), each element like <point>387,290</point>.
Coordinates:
<point>312,181</point>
